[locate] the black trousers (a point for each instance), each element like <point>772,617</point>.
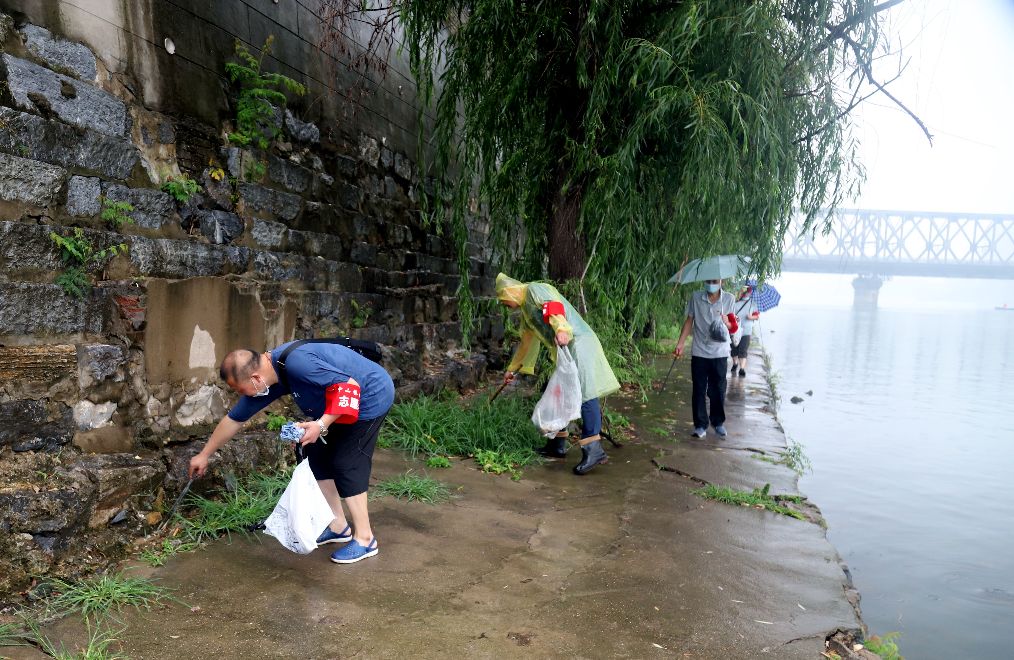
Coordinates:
<point>708,377</point>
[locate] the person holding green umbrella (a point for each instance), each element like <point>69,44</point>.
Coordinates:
<point>711,319</point>
<point>547,318</point>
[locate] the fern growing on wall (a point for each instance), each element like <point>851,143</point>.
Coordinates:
<point>261,94</point>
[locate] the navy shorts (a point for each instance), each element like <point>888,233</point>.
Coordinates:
<point>347,457</point>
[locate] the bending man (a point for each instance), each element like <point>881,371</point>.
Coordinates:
<point>347,396</point>
<point>547,318</point>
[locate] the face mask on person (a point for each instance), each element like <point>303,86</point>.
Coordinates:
<point>713,288</point>
<point>267,390</point>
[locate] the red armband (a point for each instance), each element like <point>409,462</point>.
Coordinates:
<point>733,323</point>
<point>552,308</point>
<point>342,399</point>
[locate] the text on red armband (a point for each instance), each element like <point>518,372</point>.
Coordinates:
<point>342,399</point>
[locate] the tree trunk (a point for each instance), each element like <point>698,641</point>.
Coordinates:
<point>567,255</point>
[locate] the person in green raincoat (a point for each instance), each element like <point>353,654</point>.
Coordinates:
<point>547,318</point>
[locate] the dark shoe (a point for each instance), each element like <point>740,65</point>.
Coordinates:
<point>555,448</point>
<point>354,552</point>
<point>329,536</point>
<point>732,371</point>
<point>591,455</point>
<point>742,372</point>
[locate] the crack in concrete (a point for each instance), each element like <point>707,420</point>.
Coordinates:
<point>668,468</point>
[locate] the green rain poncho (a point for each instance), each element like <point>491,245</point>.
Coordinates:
<point>597,378</point>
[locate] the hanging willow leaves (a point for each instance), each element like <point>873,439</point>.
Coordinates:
<point>612,140</point>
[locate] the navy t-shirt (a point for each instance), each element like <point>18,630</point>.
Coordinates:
<point>311,369</point>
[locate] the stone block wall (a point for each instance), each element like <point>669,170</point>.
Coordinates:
<point>105,396</point>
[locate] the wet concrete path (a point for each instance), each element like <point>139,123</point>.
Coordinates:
<point>624,562</point>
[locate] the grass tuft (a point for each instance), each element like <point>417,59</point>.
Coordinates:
<point>97,646</point>
<point>100,594</point>
<point>158,556</point>
<point>236,510</point>
<point>500,436</point>
<point>758,498</point>
<point>11,634</point>
<point>413,487</point>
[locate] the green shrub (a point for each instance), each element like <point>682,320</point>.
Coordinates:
<point>260,92</point>
<point>181,189</point>
<point>438,462</point>
<point>116,214</point>
<point>276,421</point>
<point>78,256</point>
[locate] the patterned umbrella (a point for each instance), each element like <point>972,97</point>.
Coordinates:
<point>765,296</point>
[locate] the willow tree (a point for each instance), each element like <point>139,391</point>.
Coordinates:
<point>618,138</point>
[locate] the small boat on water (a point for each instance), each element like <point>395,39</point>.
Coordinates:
<point>1004,308</point>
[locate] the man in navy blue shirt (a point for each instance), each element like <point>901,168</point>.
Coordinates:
<point>347,395</point>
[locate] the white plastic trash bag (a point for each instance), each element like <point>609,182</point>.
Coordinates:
<point>301,514</point>
<point>561,402</point>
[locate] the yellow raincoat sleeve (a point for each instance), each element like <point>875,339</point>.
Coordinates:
<point>527,353</point>
<point>559,322</point>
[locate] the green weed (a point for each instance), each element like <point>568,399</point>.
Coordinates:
<point>11,634</point>
<point>500,436</point>
<point>884,646</point>
<point>96,648</point>
<point>169,549</point>
<point>254,170</point>
<point>260,92</point>
<point>360,314</point>
<point>235,510</point>
<point>276,421</point>
<point>78,256</point>
<point>181,189</point>
<point>438,462</point>
<point>615,419</point>
<point>413,487</point>
<point>759,498</point>
<point>794,457</point>
<point>116,214</point>
<point>99,594</point>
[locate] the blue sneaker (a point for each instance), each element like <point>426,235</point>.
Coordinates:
<point>720,430</point>
<point>354,552</point>
<point>330,536</point>
<point>699,433</point>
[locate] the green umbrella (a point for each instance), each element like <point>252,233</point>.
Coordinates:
<point>712,268</point>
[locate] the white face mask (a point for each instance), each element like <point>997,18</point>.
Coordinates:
<point>267,391</point>
<point>713,288</point>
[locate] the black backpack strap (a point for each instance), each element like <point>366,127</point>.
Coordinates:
<point>280,362</point>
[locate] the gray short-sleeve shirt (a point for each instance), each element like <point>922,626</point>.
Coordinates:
<point>704,312</point>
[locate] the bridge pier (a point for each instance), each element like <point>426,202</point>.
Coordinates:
<point>866,290</point>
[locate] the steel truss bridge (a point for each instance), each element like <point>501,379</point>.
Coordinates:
<point>905,243</point>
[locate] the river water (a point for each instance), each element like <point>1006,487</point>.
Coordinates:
<point>910,430</point>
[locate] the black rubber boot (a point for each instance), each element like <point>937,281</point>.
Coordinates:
<point>555,448</point>
<point>591,455</point>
